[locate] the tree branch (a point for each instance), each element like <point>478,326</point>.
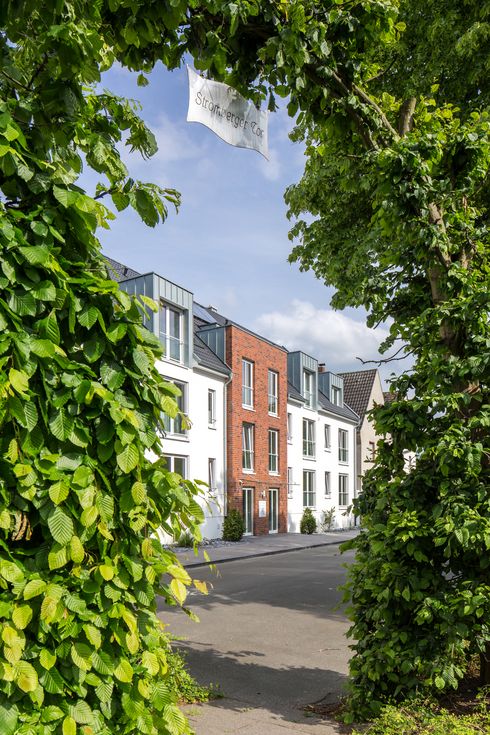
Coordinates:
<point>405,122</point>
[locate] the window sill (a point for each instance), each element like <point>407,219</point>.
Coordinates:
<point>274,474</point>
<point>248,408</point>
<point>344,461</point>
<point>248,472</point>
<point>275,415</point>
<point>212,427</point>
<point>328,449</point>
<point>177,437</point>
<point>308,458</point>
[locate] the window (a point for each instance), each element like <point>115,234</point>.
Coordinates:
<point>336,395</point>
<point>308,438</point>
<point>308,388</point>
<point>212,474</point>
<point>177,464</point>
<point>175,426</point>
<point>247,384</point>
<point>290,427</point>
<point>328,439</point>
<point>273,388</point>
<point>371,452</point>
<point>248,447</point>
<point>343,446</point>
<point>308,489</point>
<point>290,482</point>
<point>343,490</point>
<point>211,407</point>
<point>273,451</point>
<point>328,487</point>
<point>171,332</point>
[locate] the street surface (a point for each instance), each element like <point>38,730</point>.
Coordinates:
<point>271,637</point>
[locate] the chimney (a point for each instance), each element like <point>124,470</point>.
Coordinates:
<point>212,308</point>
<point>322,368</point>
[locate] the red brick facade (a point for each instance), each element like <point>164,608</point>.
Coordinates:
<point>264,356</point>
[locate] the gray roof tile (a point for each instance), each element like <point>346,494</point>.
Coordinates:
<point>120,272</point>
<point>345,411</point>
<point>357,389</point>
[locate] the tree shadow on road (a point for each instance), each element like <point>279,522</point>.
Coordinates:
<point>248,684</point>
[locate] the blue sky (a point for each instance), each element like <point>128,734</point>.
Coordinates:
<point>229,242</point>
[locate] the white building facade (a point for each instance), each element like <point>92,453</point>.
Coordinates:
<point>193,443</point>
<point>321,446</point>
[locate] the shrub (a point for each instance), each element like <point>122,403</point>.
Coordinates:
<point>328,517</point>
<point>308,522</point>
<point>233,526</point>
<point>185,540</point>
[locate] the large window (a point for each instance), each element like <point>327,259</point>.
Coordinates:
<point>308,388</point>
<point>247,383</point>
<point>308,438</point>
<point>211,408</point>
<point>309,499</point>
<point>343,446</point>
<point>177,464</point>
<point>273,392</point>
<point>248,447</point>
<point>343,490</point>
<point>273,451</point>
<point>172,332</point>
<point>328,438</point>
<point>175,425</point>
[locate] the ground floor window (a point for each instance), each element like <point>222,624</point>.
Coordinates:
<point>343,490</point>
<point>177,464</point>
<point>309,489</point>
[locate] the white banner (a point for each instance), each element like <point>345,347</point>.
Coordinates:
<point>224,111</point>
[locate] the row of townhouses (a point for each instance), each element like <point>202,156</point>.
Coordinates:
<point>271,432</point>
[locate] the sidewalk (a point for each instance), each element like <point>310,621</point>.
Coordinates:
<point>251,546</point>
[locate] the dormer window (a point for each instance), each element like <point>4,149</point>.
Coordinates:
<point>308,388</point>
<point>172,332</point>
<point>336,395</point>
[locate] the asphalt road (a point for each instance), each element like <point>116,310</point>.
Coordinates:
<point>271,636</point>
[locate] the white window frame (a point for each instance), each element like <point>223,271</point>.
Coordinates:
<point>308,438</point>
<point>328,484</point>
<point>173,426</point>
<point>336,395</point>
<point>308,388</point>
<point>211,408</point>
<point>248,440</point>
<point>290,482</point>
<point>327,433</point>
<point>247,383</point>
<point>290,428</point>
<point>168,339</point>
<point>212,474</point>
<point>343,490</point>
<point>309,490</point>
<point>273,392</point>
<point>273,452</point>
<point>171,464</point>
<point>343,446</point>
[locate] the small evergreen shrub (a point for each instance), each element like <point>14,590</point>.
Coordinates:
<point>233,526</point>
<point>308,522</point>
<point>186,540</point>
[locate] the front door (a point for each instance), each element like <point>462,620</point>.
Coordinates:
<point>248,510</point>
<point>273,510</point>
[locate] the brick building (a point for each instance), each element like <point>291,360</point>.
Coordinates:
<point>256,425</point>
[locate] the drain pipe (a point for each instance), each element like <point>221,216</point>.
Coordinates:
<point>225,444</point>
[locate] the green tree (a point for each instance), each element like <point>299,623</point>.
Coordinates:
<point>392,101</point>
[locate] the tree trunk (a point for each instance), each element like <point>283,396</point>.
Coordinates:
<point>485,666</point>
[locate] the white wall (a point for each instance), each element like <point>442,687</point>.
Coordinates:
<point>367,433</point>
<point>201,442</point>
<point>324,461</point>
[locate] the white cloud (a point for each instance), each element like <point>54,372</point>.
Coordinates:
<point>271,169</point>
<point>327,335</point>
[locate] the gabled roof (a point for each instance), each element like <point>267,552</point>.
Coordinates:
<point>357,389</point>
<point>218,319</point>
<point>120,272</point>
<point>345,411</point>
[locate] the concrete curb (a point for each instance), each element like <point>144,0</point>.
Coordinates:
<point>260,553</point>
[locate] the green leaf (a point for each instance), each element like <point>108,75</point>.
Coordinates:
<point>102,663</point>
<point>47,659</point>
<point>61,526</point>
<point>58,492</point>
<point>57,557</point>
<point>48,328</point>
<point>77,552</point>
<point>61,424</point>
<point>124,671</point>
<point>66,197</point>
<point>128,458</point>
<point>150,663</point>
<point>44,291</point>
<point>36,255</point>
<point>81,656</point>
<point>34,588</point>
<point>104,691</point>
<point>19,381</point>
<point>9,715</point>
<point>69,726</point>
<point>26,676</point>
<point>22,616</point>
<point>51,713</point>
<point>22,303</point>
<point>52,681</point>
